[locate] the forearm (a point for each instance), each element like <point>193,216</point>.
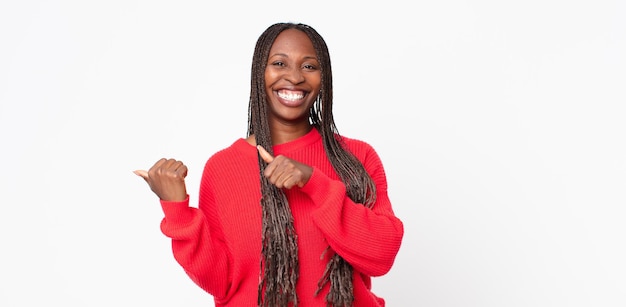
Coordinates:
<point>369,239</point>
<point>201,254</point>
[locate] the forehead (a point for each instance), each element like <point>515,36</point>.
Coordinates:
<point>292,40</point>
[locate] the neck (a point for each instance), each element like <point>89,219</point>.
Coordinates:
<point>287,133</point>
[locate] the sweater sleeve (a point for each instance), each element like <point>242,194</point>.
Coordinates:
<point>198,248</point>
<point>368,238</point>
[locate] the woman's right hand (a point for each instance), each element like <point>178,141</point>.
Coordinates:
<point>166,178</point>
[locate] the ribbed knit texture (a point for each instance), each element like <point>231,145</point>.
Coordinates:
<point>219,243</point>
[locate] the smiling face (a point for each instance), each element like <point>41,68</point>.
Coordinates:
<point>292,80</point>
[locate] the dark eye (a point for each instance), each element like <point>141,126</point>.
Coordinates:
<point>310,67</point>
<point>278,63</point>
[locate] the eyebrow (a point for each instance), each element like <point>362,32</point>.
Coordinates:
<point>285,55</point>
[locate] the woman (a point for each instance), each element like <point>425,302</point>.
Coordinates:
<point>294,214</point>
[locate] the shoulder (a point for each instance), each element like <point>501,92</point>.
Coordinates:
<point>358,147</point>
<point>363,151</point>
<point>367,155</point>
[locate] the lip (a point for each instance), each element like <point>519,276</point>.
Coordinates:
<point>291,97</point>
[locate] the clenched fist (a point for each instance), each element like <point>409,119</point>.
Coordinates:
<point>284,172</point>
<point>166,179</point>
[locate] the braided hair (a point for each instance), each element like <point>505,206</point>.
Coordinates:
<point>279,252</point>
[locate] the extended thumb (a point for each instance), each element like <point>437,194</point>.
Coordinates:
<point>141,173</point>
<point>264,154</point>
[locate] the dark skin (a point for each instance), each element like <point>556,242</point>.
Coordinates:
<point>292,83</point>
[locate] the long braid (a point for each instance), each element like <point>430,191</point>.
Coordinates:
<point>359,185</point>
<point>279,263</point>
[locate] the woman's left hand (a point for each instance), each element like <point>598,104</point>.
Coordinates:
<point>284,172</point>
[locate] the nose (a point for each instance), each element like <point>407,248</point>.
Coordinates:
<point>294,75</point>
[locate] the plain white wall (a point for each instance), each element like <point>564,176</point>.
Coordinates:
<point>500,124</point>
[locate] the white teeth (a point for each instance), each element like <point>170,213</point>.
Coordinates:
<point>291,95</point>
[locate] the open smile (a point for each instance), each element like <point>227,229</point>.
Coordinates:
<point>291,98</point>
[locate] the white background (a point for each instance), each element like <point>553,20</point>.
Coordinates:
<point>500,124</point>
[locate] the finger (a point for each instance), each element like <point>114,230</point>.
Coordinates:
<point>292,181</point>
<point>170,164</point>
<point>287,182</point>
<point>281,177</point>
<point>182,170</point>
<point>157,166</point>
<point>264,154</point>
<point>159,163</point>
<point>165,166</point>
<point>143,174</point>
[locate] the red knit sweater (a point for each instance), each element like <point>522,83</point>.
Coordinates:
<point>219,243</point>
